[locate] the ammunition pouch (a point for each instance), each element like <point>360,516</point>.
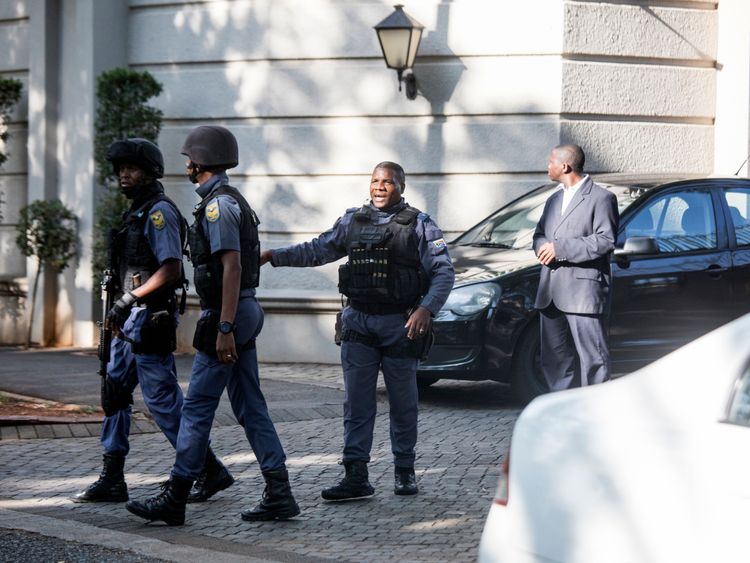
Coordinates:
<point>337,329</point>
<point>114,398</point>
<point>158,335</point>
<point>207,331</point>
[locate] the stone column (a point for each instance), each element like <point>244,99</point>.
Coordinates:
<point>94,39</point>
<point>44,61</point>
<point>732,126</point>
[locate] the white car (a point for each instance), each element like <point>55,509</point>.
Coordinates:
<point>653,467</point>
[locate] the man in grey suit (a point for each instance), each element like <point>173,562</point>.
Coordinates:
<point>573,241</point>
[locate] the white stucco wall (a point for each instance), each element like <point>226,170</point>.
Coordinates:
<point>303,85</point>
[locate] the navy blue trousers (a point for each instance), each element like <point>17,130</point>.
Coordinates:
<point>157,377</point>
<point>361,364</point>
<point>208,380</point>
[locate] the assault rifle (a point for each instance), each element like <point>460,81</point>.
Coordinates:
<point>105,332</point>
<point>105,342</point>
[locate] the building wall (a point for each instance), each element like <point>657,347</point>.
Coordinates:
<point>303,86</point>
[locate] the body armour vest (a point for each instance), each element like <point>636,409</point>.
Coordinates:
<point>208,270</point>
<point>383,266</point>
<point>132,258</point>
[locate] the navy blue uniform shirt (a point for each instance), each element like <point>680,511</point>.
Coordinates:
<point>331,246</point>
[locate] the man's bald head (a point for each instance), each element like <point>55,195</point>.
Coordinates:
<point>572,155</point>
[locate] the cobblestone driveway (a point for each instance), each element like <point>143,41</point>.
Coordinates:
<point>464,430</point>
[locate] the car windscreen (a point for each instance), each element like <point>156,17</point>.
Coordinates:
<point>513,225</point>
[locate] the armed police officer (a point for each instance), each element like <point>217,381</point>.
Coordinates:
<point>225,251</point>
<point>146,256</point>
<point>398,275</point>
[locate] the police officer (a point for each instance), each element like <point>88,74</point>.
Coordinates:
<point>146,255</point>
<point>398,276</point>
<point>225,251</point>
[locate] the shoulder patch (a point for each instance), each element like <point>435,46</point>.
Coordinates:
<point>439,243</point>
<point>212,212</point>
<point>157,218</point>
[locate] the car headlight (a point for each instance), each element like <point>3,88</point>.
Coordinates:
<point>471,299</point>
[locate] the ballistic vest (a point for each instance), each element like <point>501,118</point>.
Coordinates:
<point>384,272</point>
<point>208,270</point>
<point>132,258</point>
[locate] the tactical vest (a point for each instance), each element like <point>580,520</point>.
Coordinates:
<point>208,270</point>
<point>132,257</point>
<point>384,273</point>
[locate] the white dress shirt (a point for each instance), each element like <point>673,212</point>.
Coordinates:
<point>568,193</point>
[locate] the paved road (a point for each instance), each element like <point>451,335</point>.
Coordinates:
<point>464,430</point>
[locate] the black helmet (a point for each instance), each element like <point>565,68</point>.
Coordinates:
<point>141,152</point>
<point>211,146</point>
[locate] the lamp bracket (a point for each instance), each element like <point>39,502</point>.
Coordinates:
<point>410,81</point>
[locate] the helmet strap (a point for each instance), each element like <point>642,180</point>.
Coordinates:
<point>195,171</point>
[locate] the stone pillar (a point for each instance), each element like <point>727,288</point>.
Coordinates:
<point>44,62</point>
<point>94,39</point>
<point>732,126</point>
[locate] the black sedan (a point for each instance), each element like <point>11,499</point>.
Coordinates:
<point>681,268</point>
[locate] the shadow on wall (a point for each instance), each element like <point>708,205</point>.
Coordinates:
<point>12,312</point>
<point>430,143</point>
<point>650,11</point>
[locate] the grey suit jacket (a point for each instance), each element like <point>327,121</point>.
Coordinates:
<point>578,280</point>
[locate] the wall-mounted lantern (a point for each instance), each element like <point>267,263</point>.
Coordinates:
<point>399,35</point>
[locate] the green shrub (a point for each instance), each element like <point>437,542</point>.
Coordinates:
<point>46,231</point>
<point>10,93</point>
<point>122,113</point>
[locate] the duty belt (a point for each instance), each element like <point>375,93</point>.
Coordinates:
<point>378,308</point>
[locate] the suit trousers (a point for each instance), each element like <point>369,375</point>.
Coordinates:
<point>574,349</point>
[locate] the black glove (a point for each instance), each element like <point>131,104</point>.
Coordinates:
<point>120,311</point>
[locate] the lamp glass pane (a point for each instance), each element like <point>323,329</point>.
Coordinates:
<point>395,43</point>
<point>413,46</point>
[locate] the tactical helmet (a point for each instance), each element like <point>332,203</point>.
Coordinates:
<point>141,152</point>
<point>211,146</point>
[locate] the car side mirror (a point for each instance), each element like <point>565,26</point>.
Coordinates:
<point>637,246</point>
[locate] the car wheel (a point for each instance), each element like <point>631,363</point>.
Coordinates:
<point>527,379</point>
<point>425,382</point>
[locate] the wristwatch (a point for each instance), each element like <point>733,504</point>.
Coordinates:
<point>225,327</point>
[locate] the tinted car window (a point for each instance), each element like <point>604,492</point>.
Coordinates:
<point>738,200</point>
<point>739,408</point>
<point>680,222</point>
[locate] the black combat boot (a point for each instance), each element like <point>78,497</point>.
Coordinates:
<point>110,487</point>
<point>354,485</point>
<point>214,478</point>
<point>405,481</point>
<point>168,506</point>
<point>277,502</point>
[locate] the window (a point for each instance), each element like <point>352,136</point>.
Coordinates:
<point>680,222</point>
<point>738,200</point>
<point>739,408</point>
<point>510,227</point>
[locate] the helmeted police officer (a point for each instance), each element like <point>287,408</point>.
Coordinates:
<point>398,275</point>
<point>225,251</point>
<point>146,255</point>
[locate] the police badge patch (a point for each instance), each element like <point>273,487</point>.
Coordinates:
<point>158,220</point>
<point>212,212</point>
<point>439,244</point>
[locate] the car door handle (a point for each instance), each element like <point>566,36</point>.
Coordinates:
<point>715,271</point>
